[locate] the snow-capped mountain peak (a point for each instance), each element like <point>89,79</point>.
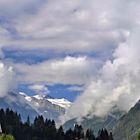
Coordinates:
<point>64,103</point>
<point>22,93</point>
<point>40,96</point>
<point>61,102</point>
<point>28,98</point>
<point>46,105</point>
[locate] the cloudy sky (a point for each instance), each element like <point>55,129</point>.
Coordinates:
<point>85,51</point>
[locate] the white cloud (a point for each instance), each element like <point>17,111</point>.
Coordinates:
<point>14,8</point>
<point>70,70</point>
<point>77,88</point>
<point>71,26</point>
<point>7,79</point>
<point>118,83</point>
<point>78,26</point>
<point>39,88</point>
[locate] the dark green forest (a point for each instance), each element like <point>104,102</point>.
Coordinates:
<point>41,129</point>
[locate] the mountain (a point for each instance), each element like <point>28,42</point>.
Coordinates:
<point>47,106</point>
<point>97,123</point>
<point>128,126</point>
<point>18,103</point>
<point>35,105</point>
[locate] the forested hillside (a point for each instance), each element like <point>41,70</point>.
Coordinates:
<point>42,129</point>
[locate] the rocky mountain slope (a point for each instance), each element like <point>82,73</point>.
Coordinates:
<point>35,105</point>
<point>47,106</point>
<point>17,103</point>
<point>128,126</point>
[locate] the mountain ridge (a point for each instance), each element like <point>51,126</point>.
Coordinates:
<point>96,123</point>
<point>128,126</point>
<point>34,105</point>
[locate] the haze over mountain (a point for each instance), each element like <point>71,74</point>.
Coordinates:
<point>96,123</point>
<point>125,125</point>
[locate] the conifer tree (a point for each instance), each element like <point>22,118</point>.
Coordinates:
<point>60,133</point>
<point>89,135</point>
<point>44,130</point>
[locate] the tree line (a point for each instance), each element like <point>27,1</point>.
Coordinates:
<point>41,129</point>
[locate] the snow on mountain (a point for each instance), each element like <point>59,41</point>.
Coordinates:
<point>28,98</point>
<point>61,102</point>
<point>18,103</point>
<point>33,106</point>
<point>47,106</point>
<point>40,96</point>
<point>22,93</point>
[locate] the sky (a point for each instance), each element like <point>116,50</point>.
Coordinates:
<point>85,51</point>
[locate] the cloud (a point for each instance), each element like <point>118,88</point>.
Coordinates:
<point>39,88</point>
<point>118,83</point>
<point>70,26</point>
<point>7,79</point>
<point>70,70</point>
<point>97,26</point>
<point>14,8</point>
<point>76,88</point>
